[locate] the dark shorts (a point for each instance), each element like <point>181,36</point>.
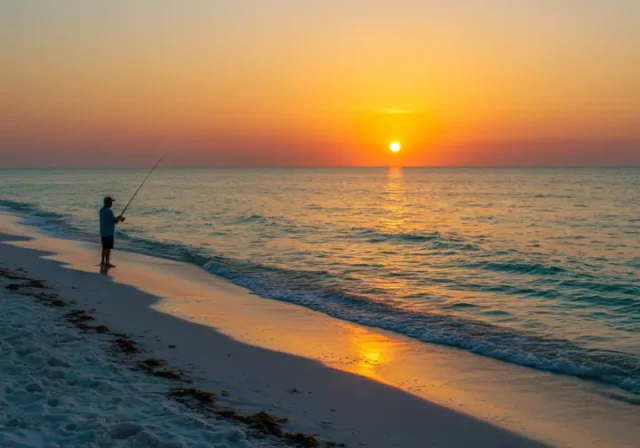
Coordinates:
<point>107,242</point>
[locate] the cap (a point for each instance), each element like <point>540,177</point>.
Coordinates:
<point>108,198</point>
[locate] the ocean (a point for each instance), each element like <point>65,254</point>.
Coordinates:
<point>537,267</point>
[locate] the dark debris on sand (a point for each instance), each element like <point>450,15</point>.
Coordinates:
<point>267,424</point>
<point>26,289</point>
<point>127,345</point>
<point>11,275</point>
<point>78,316</point>
<point>193,395</point>
<point>36,284</point>
<point>152,367</point>
<point>261,423</point>
<point>153,363</point>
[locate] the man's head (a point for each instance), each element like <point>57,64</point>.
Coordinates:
<point>108,201</point>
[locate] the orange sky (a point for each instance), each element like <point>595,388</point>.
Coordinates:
<point>282,82</point>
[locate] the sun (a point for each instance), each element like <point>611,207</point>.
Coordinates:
<point>395,147</point>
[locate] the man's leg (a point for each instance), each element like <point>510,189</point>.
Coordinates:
<point>107,256</point>
<point>104,256</point>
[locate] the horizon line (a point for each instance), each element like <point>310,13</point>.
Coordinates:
<point>319,167</point>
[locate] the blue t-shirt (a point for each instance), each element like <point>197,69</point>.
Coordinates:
<point>107,222</point>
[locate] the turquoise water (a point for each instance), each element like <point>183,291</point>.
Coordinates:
<point>538,267</point>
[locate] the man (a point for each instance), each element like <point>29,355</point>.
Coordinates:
<point>108,223</point>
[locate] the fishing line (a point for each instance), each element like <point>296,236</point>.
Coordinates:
<point>145,179</point>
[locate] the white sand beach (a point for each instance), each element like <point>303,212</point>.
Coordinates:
<point>339,382</point>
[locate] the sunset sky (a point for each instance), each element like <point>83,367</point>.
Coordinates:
<point>320,83</point>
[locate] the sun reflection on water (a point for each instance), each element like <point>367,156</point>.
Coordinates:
<point>394,205</point>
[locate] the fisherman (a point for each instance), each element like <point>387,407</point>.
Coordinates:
<point>108,223</point>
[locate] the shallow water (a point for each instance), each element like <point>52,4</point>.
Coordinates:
<point>532,266</point>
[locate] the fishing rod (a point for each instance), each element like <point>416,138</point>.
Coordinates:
<point>145,179</point>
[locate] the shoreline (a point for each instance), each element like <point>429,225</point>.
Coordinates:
<point>177,308</point>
